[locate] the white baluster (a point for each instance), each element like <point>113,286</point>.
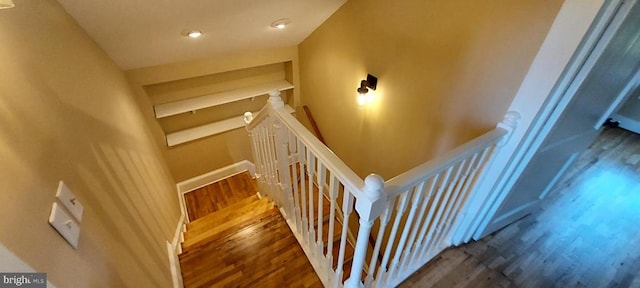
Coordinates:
<point>347,208</point>
<point>310,170</point>
<point>384,220</point>
<point>303,190</point>
<point>442,209</point>
<point>333,194</point>
<point>429,226</point>
<point>418,193</point>
<point>282,150</point>
<point>296,191</point>
<point>369,208</point>
<point>400,208</point>
<point>322,173</point>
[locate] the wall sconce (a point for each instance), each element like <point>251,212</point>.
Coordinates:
<point>4,4</point>
<point>363,91</point>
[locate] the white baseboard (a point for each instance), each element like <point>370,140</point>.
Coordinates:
<point>174,264</point>
<point>627,123</point>
<point>213,176</point>
<point>174,248</point>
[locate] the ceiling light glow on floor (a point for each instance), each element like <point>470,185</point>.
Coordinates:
<point>281,23</point>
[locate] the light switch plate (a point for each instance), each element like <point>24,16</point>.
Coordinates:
<point>65,225</point>
<point>69,201</point>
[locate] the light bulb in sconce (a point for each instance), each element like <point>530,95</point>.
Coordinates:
<point>364,95</point>
<point>362,99</point>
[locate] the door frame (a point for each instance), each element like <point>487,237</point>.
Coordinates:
<point>574,42</point>
<point>596,37</point>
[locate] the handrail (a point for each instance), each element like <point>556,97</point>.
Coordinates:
<point>351,179</point>
<point>417,212</point>
<point>400,183</point>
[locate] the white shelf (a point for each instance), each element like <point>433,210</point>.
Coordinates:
<point>191,134</point>
<point>200,102</point>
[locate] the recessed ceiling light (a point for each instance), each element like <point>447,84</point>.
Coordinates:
<point>194,34</point>
<point>280,23</point>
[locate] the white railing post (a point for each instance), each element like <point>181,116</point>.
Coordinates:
<point>282,157</point>
<point>259,170</point>
<point>369,208</point>
<point>481,194</point>
<point>275,101</point>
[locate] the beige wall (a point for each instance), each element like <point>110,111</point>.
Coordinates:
<point>447,71</point>
<point>68,113</point>
<point>176,81</point>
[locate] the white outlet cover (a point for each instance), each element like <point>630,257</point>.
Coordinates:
<point>65,225</point>
<point>69,201</point>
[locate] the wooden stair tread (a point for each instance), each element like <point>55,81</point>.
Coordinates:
<point>219,243</point>
<point>263,210</point>
<point>263,253</point>
<point>246,206</point>
<point>212,217</point>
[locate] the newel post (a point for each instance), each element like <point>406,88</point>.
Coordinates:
<point>369,207</point>
<point>509,123</point>
<point>275,100</point>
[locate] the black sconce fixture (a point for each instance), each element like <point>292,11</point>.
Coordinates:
<point>365,85</point>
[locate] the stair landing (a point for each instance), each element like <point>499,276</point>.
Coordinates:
<point>246,244</point>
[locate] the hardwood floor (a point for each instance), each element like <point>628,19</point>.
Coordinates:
<point>216,196</point>
<point>584,235</point>
<point>243,244</point>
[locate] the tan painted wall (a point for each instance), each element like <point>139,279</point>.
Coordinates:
<point>67,112</point>
<point>447,71</point>
<point>171,82</point>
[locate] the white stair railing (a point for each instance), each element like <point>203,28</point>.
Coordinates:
<point>417,212</point>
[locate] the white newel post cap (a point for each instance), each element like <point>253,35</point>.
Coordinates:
<point>374,201</point>
<point>510,123</point>
<point>248,117</point>
<point>510,120</point>
<point>275,100</point>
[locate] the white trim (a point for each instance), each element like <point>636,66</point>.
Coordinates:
<point>620,99</point>
<point>178,236</point>
<point>210,129</point>
<point>201,102</point>
<point>216,175</point>
<point>562,54</point>
<point>627,123</point>
<point>174,265</point>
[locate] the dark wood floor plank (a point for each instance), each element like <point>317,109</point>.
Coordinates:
<point>584,235</point>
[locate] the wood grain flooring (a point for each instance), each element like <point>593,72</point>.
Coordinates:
<point>585,234</point>
<point>213,197</point>
<point>245,243</point>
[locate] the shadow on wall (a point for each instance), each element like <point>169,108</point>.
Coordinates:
<point>129,212</point>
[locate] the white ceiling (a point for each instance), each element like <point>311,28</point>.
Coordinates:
<point>142,33</point>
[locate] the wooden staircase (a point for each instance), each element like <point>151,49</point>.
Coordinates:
<point>248,244</point>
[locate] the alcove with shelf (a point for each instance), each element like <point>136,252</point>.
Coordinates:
<point>198,107</point>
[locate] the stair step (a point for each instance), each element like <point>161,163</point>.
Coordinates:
<point>247,205</point>
<point>220,243</point>
<point>264,209</point>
